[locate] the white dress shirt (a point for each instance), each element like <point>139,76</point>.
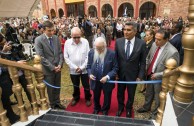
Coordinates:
<point>119,27</point>
<point>76,55</point>
<point>131,44</point>
<point>159,53</point>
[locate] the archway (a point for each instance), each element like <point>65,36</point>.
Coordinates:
<point>61,13</point>
<point>53,13</point>
<point>147,10</point>
<point>126,7</point>
<point>107,10</point>
<point>92,11</point>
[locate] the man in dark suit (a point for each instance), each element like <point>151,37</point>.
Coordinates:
<point>176,39</point>
<point>87,28</point>
<point>130,53</point>
<point>102,66</point>
<point>48,47</point>
<point>159,53</point>
<point>140,28</point>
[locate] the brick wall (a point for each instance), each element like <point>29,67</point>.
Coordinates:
<point>171,8</point>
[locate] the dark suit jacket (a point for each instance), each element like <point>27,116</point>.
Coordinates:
<point>148,46</point>
<point>140,28</point>
<point>134,67</point>
<point>177,43</point>
<point>110,66</point>
<point>49,57</point>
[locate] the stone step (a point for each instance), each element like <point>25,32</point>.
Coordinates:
<point>91,121</point>
<point>100,117</point>
<point>50,123</point>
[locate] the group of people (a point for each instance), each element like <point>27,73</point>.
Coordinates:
<point>141,51</point>
<point>96,66</point>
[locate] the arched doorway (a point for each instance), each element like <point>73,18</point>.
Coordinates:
<point>107,10</point>
<point>147,10</point>
<point>92,11</point>
<point>61,13</point>
<point>53,13</point>
<point>126,8</point>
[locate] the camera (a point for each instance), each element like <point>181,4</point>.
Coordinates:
<point>15,47</point>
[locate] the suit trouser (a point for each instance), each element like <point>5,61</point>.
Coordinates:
<point>152,91</point>
<point>53,93</point>
<point>107,90</point>
<point>76,82</point>
<point>131,88</point>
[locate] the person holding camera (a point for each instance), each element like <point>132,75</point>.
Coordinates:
<point>12,51</point>
<point>10,34</point>
<point>87,28</point>
<point>6,83</point>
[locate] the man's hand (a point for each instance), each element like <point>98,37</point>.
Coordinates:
<point>138,79</point>
<point>104,80</point>
<point>22,61</point>
<point>92,77</point>
<point>58,68</point>
<point>78,70</point>
<point>153,77</point>
<point>117,77</point>
<point>7,47</point>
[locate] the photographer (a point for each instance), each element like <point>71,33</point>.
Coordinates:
<point>87,28</point>
<point>11,34</point>
<point>12,51</point>
<point>6,84</point>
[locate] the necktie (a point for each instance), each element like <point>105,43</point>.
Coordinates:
<point>51,42</point>
<point>98,69</point>
<point>127,52</point>
<point>153,60</point>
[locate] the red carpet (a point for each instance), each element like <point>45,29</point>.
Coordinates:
<point>81,106</point>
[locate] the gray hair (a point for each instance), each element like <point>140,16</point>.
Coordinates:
<point>132,24</point>
<point>75,30</point>
<point>100,40</point>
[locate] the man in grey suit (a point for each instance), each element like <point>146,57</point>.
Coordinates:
<point>48,47</point>
<point>130,53</point>
<point>159,53</point>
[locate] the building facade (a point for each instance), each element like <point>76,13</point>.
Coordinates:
<point>115,8</point>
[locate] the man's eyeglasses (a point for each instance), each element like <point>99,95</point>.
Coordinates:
<point>76,37</point>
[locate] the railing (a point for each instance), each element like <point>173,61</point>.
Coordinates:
<point>17,88</point>
<point>184,75</point>
<point>169,80</point>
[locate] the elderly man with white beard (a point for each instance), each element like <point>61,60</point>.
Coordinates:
<point>102,66</point>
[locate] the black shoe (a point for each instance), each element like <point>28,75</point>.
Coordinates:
<point>59,106</point>
<point>142,110</point>
<point>96,111</point>
<point>119,112</point>
<point>105,112</point>
<point>74,102</point>
<point>128,114</point>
